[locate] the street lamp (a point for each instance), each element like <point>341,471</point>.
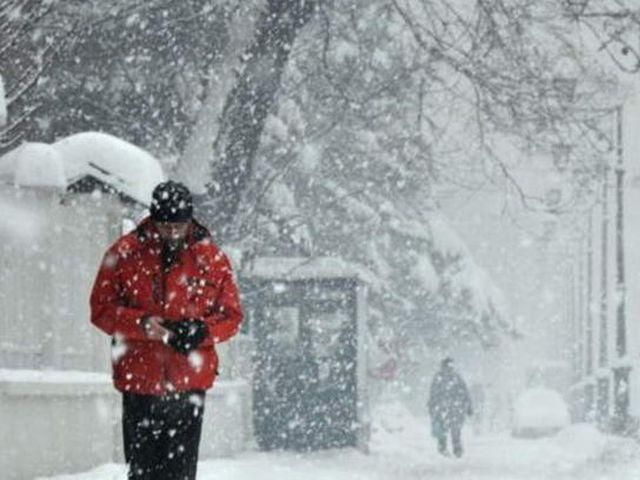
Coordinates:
<point>603,381</point>
<point>622,369</point>
<point>619,364</point>
<point>3,105</point>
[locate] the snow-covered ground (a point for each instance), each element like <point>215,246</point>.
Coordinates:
<point>401,449</point>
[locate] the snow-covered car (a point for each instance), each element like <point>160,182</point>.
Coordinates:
<point>539,412</point>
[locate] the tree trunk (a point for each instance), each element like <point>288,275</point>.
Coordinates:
<point>195,165</point>
<point>247,106</point>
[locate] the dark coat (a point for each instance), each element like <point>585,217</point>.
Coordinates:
<point>449,401</point>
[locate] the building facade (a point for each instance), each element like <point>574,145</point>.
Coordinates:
<point>602,279</point>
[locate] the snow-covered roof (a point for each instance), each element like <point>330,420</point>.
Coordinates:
<point>127,168</point>
<point>302,268</point>
<point>33,164</point>
<point>3,104</point>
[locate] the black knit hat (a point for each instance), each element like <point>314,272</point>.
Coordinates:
<point>171,202</point>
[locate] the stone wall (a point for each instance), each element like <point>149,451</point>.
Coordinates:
<point>65,422</point>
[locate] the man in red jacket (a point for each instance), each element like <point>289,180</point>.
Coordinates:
<point>166,295</point>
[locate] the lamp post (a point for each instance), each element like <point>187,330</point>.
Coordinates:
<point>3,105</point>
<point>602,403</point>
<point>589,393</point>
<point>617,361</point>
<point>622,368</point>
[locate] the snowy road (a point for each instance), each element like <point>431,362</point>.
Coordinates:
<point>496,458</point>
<point>402,450</point>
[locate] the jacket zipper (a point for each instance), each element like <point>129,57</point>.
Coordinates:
<point>163,290</point>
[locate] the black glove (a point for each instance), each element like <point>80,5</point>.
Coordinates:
<point>188,334</point>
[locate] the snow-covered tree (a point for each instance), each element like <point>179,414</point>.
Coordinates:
<point>341,122</point>
<point>386,102</point>
<point>26,55</point>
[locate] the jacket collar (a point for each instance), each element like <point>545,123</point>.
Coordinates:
<point>147,230</point>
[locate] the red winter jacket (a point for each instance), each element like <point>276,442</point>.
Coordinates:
<point>131,284</point>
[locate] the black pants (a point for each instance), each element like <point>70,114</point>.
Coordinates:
<point>456,440</point>
<point>162,435</point>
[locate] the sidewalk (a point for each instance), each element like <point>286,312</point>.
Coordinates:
<point>402,450</point>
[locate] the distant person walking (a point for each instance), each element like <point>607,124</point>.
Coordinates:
<point>449,405</point>
<point>166,295</point>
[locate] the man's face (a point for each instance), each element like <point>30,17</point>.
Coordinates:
<point>172,231</point>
